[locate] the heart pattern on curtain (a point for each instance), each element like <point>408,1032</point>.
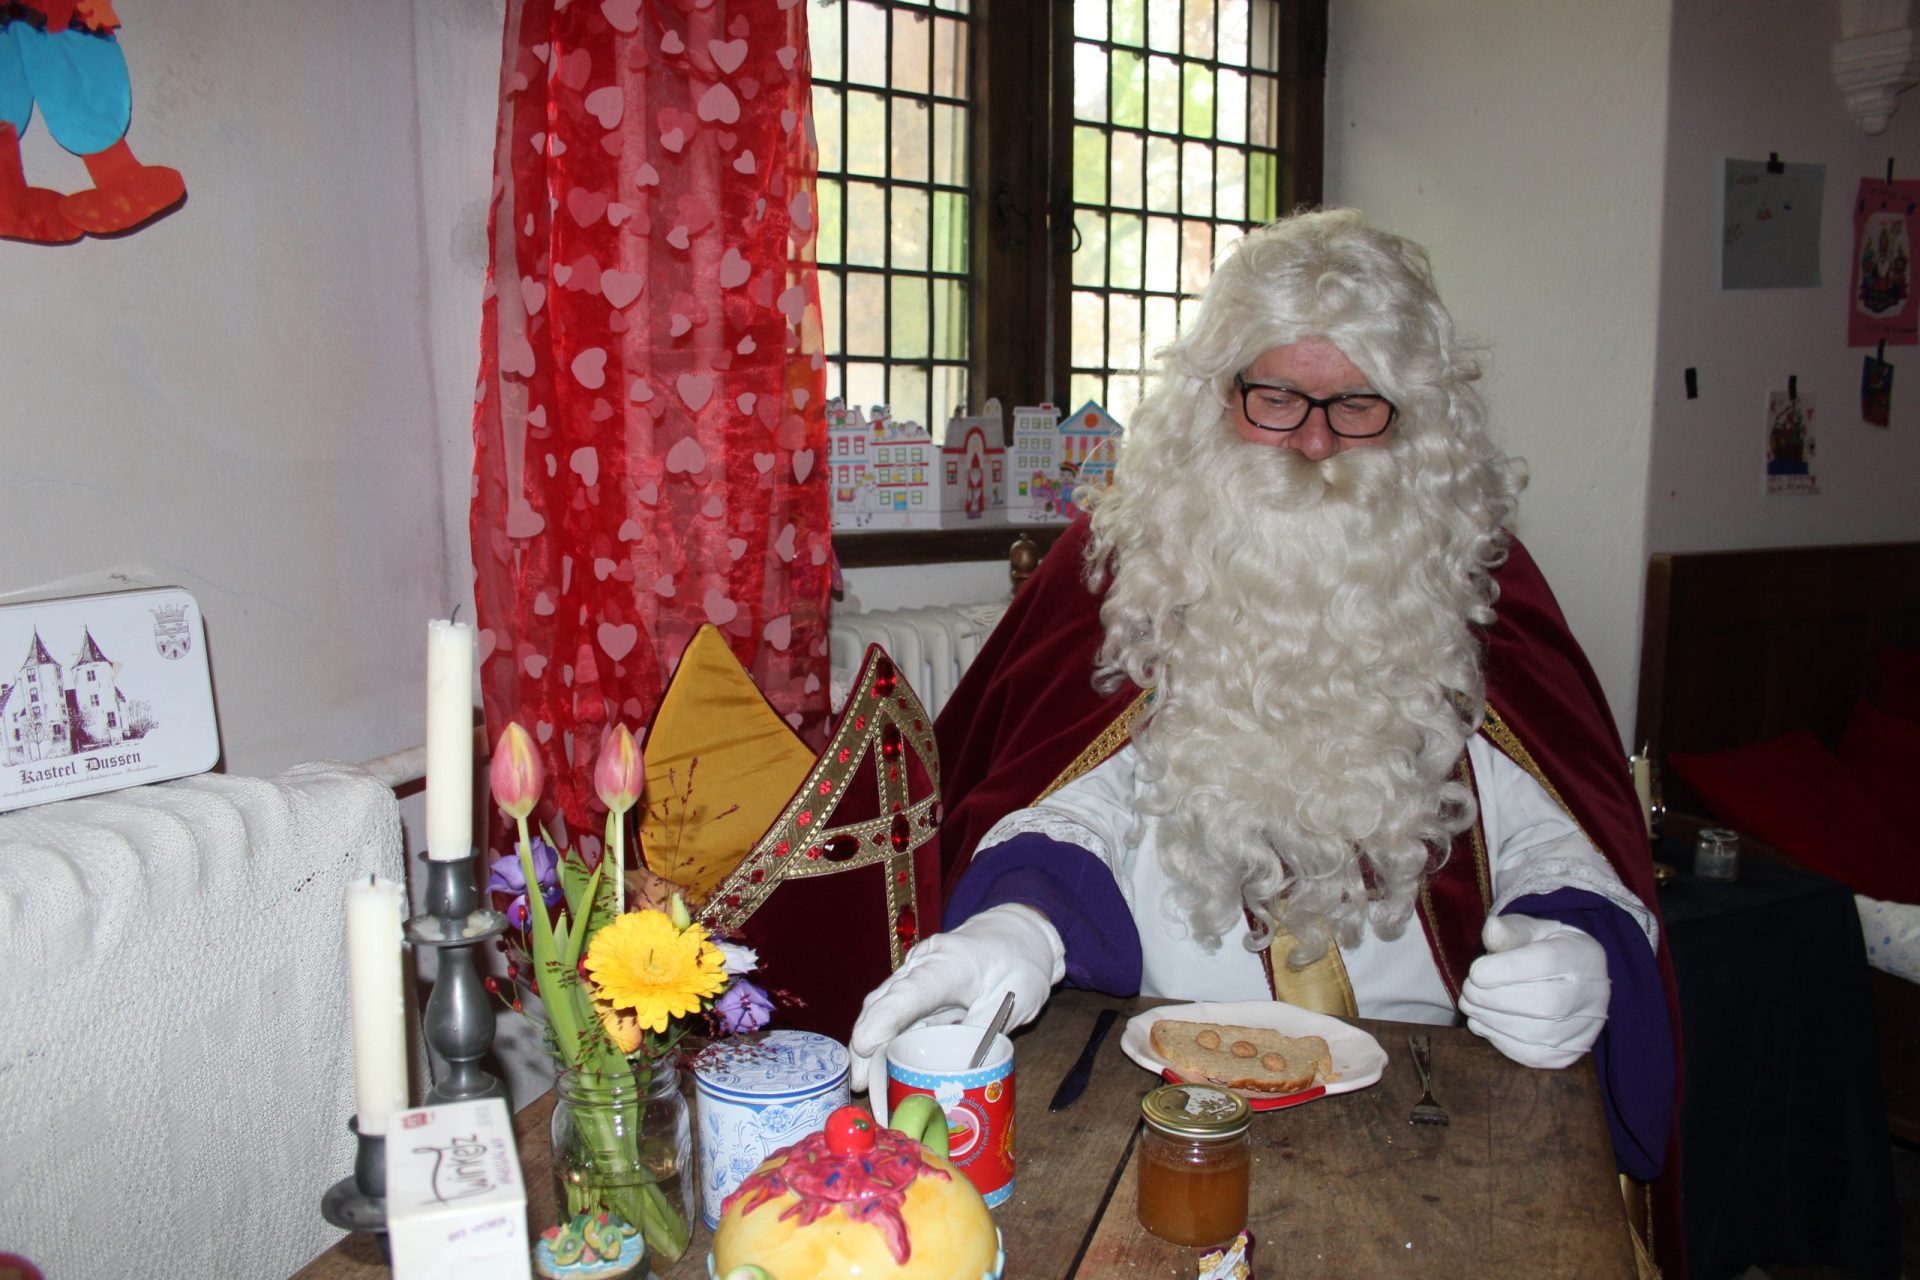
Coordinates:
<point>650,404</point>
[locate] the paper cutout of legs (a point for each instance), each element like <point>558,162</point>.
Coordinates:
<point>79,80</point>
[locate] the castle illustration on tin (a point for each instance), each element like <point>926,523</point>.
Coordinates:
<point>48,711</point>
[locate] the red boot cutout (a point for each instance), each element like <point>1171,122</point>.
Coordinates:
<point>29,213</point>
<point>125,192</point>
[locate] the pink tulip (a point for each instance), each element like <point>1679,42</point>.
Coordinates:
<point>516,775</point>
<point>619,775</point>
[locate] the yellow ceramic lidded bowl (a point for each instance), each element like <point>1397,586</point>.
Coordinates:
<point>856,1201</point>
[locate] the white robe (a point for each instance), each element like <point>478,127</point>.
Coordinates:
<point>1532,847</point>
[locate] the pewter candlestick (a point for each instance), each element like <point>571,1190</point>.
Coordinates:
<point>458,1020</point>
<point>359,1203</point>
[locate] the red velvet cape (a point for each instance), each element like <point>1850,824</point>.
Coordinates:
<point>1026,709</point>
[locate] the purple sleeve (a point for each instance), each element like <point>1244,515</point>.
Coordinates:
<point>1634,1056</point>
<point>1077,894</point>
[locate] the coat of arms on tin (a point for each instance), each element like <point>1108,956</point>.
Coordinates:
<point>171,634</point>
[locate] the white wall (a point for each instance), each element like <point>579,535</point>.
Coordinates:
<point>457,59</point>
<point>1750,79</point>
<point>246,399</point>
<point>1521,141</point>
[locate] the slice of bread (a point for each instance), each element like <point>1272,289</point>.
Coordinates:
<point>1252,1058</point>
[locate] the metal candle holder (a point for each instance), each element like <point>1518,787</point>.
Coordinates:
<point>359,1203</point>
<point>458,1020</point>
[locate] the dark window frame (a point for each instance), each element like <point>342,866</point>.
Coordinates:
<point>1022,234</point>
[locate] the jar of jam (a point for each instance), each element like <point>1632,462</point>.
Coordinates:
<point>1194,1164</point>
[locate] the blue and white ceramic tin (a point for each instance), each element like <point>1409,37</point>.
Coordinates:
<point>754,1097</point>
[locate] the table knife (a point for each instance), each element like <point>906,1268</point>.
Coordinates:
<point>1076,1079</point>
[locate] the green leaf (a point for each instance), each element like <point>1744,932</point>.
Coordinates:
<point>576,940</point>
<point>550,974</point>
<point>610,889</point>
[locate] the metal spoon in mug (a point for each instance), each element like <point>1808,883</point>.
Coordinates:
<point>994,1028</point>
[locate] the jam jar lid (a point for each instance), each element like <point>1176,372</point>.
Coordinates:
<point>1196,1111</point>
<point>778,1066</point>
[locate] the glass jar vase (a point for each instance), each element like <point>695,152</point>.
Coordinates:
<point>622,1172</point>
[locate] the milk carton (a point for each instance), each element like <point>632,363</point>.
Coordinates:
<point>456,1206</point>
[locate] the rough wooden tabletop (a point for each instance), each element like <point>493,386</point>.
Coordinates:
<point>1521,1182</point>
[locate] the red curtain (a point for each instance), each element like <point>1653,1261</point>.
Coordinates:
<point>649,434</point>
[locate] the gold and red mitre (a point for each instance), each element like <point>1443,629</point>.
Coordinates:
<point>828,866</point>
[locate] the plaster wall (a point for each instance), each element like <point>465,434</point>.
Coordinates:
<point>232,399</point>
<point>1522,142</point>
<point>1747,80</point>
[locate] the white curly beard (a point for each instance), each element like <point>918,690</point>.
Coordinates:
<point>1306,629</point>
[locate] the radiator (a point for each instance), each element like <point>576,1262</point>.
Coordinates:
<point>176,1065</point>
<point>931,646</point>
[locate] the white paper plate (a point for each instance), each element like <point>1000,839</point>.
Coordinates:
<point>1358,1059</point>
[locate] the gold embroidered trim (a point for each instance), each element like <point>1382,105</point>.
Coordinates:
<point>1477,839</point>
<point>1510,745</point>
<point>792,848</point>
<point>1110,740</point>
<point>1323,986</point>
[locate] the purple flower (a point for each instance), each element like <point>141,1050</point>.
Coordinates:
<point>743,1007</point>
<point>506,877</point>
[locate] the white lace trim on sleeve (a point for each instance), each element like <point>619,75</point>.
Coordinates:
<point>1575,864</point>
<point>1042,822</point>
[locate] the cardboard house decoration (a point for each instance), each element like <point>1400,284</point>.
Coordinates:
<point>973,469</point>
<point>1035,466</point>
<point>883,472</point>
<point>1052,456</point>
<point>1089,445</point>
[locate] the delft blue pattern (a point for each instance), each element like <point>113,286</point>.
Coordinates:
<point>782,1064</point>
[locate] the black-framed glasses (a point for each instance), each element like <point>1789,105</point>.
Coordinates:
<point>1352,415</point>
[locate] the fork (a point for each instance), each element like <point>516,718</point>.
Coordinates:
<point>1425,1111</point>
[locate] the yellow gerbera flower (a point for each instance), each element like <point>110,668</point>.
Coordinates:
<point>642,963</point>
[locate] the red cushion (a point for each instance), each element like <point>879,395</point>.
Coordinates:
<point>1794,794</point>
<point>1883,754</point>
<point>1900,682</point>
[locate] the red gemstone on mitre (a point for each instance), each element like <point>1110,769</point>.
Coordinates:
<point>884,676</point>
<point>756,875</point>
<point>906,927</point>
<point>890,741</point>
<point>842,847</point>
<point>733,899</point>
<point>902,831</point>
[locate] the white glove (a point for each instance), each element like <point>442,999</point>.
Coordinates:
<point>962,975</point>
<point>1540,993</point>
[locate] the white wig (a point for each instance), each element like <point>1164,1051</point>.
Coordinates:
<point>1304,625</point>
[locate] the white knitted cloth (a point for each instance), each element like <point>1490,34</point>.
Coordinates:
<point>176,1065</point>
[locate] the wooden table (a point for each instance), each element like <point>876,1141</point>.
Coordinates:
<point>1521,1183</point>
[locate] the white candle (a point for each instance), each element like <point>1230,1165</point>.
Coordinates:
<point>379,1008</point>
<point>449,739</point>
